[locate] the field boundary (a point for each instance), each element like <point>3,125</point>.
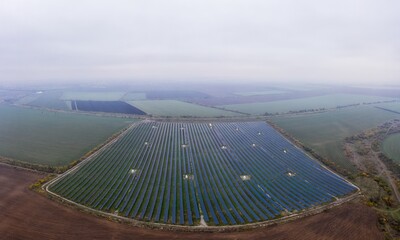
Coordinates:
<point>207,119</point>
<point>386,109</point>
<point>23,165</point>
<point>20,167</point>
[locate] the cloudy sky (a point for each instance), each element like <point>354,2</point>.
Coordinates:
<point>207,40</point>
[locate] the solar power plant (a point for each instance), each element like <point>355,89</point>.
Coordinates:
<point>220,173</point>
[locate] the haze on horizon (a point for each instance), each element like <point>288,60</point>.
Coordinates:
<point>342,41</point>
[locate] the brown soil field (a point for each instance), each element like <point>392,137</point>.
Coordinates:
<point>25,214</point>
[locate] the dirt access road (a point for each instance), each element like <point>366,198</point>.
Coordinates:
<point>25,214</point>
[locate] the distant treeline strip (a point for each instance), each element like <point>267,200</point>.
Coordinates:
<point>389,110</point>
<point>21,164</point>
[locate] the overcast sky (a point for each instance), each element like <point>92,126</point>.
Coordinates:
<point>207,40</point>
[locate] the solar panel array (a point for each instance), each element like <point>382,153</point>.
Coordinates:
<point>226,173</point>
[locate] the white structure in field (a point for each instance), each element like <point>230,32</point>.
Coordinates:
<point>188,176</point>
<point>245,177</point>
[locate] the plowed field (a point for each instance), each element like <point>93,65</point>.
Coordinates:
<point>27,215</point>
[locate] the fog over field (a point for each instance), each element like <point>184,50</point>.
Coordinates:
<point>193,119</point>
<point>342,41</point>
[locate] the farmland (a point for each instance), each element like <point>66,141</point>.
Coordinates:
<point>47,99</point>
<point>93,96</point>
<point>391,147</point>
<point>325,132</point>
<point>174,94</point>
<point>178,173</point>
<point>267,92</point>
<point>176,108</point>
<point>394,107</point>
<point>307,103</point>
<point>134,96</point>
<point>51,138</point>
<point>55,221</point>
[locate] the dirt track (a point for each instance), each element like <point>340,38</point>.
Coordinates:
<point>27,215</point>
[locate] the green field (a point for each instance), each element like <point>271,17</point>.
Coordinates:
<point>46,99</point>
<point>50,99</point>
<point>326,101</point>
<point>267,92</point>
<point>53,138</point>
<point>391,147</point>
<point>27,99</point>
<point>93,96</point>
<point>393,106</point>
<point>174,108</point>
<point>303,87</point>
<point>134,96</point>
<point>325,132</point>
